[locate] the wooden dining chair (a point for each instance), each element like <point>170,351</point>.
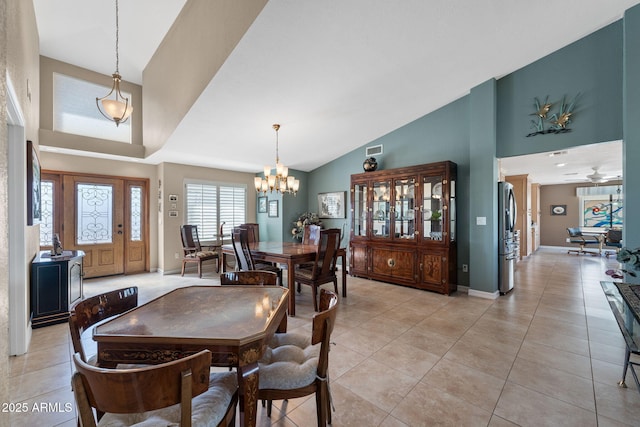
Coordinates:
<point>323,269</point>
<point>193,251</point>
<point>244,259</point>
<point>249,277</point>
<point>253,230</point>
<point>295,365</point>
<point>181,392</point>
<point>86,313</point>
<point>311,234</point>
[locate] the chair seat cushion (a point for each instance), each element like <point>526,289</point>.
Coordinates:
<point>202,254</point>
<point>289,362</point>
<point>208,409</point>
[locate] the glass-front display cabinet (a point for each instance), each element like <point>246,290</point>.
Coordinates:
<point>404,226</point>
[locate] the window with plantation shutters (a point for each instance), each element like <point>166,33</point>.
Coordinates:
<point>208,205</point>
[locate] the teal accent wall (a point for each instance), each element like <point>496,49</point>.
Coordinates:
<point>441,135</point>
<point>631,131</point>
<point>592,66</point>
<point>483,189</point>
<point>289,207</point>
<point>493,121</point>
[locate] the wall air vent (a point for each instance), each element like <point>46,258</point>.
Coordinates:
<point>374,150</point>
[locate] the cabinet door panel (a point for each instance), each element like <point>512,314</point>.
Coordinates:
<point>432,269</point>
<point>395,263</point>
<point>358,260</point>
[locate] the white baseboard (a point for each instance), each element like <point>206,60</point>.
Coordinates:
<point>483,294</point>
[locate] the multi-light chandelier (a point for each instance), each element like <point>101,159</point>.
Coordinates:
<point>281,181</point>
<point>118,109</point>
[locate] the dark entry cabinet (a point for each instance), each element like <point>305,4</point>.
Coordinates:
<point>56,283</point>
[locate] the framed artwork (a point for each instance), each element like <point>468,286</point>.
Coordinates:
<point>273,208</point>
<point>331,205</point>
<point>34,209</point>
<point>558,209</point>
<point>262,204</point>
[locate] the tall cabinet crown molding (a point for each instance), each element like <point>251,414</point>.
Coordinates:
<point>403,226</point>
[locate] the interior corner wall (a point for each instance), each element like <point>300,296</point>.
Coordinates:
<point>19,47</point>
<point>631,131</point>
<point>438,136</point>
<point>483,189</point>
<point>173,177</point>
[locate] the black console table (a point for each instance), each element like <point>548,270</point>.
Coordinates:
<point>56,282</point>
<point>624,300</point>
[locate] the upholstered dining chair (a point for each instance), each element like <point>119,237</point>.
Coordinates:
<point>323,269</point>
<point>87,312</point>
<point>181,392</point>
<point>577,238</point>
<point>193,252</point>
<point>249,277</point>
<point>244,259</point>
<point>297,365</point>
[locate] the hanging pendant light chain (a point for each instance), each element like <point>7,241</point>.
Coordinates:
<point>117,40</point>
<point>277,155</point>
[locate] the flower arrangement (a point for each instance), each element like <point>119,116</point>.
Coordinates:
<point>630,258</point>
<point>306,218</point>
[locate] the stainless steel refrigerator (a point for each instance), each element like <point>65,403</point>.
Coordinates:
<point>506,236</point>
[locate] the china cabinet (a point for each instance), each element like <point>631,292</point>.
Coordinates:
<point>403,226</point>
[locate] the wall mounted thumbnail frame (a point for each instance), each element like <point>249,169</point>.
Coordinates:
<point>262,204</point>
<point>273,208</point>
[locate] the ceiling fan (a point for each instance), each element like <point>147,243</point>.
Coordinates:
<point>597,177</point>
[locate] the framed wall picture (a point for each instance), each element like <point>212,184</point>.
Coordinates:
<point>273,208</point>
<point>558,209</point>
<point>331,205</point>
<point>262,204</point>
<point>34,209</point>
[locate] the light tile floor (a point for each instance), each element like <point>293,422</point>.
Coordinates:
<point>547,354</point>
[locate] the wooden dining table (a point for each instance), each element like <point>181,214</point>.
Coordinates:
<point>288,253</point>
<point>233,322</point>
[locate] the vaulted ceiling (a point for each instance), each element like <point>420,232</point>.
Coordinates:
<point>335,75</point>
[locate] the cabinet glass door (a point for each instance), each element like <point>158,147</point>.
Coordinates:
<point>404,213</point>
<point>432,208</point>
<point>381,214</point>
<point>360,210</point>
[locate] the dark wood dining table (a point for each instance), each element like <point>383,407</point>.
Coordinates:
<point>233,322</point>
<point>288,253</point>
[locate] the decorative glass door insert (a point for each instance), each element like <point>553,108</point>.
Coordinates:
<point>94,214</point>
